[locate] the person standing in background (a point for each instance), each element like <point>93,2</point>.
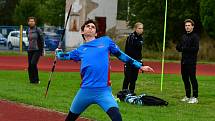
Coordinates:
<point>189,46</point>
<point>133,49</point>
<point>35,49</point>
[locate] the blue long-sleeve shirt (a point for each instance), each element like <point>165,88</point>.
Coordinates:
<point>95,63</point>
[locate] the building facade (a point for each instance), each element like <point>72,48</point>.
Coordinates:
<point>102,11</point>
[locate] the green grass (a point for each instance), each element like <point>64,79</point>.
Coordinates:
<point>14,86</point>
<point>12,53</point>
<point>24,53</point>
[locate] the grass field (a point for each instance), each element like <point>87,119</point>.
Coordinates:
<point>15,86</point>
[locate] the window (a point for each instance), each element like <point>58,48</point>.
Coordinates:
<point>14,34</point>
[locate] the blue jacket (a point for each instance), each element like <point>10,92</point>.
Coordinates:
<point>95,63</point>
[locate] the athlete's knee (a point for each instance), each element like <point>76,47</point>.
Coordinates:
<point>71,116</point>
<point>114,114</point>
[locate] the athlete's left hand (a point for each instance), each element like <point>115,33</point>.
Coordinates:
<point>147,68</point>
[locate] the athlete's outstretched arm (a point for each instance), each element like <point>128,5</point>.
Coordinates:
<point>125,58</point>
<point>72,55</point>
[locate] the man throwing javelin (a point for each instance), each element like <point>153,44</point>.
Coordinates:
<point>95,72</point>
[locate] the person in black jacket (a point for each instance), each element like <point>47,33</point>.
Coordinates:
<point>189,46</point>
<point>35,49</point>
<point>133,49</point>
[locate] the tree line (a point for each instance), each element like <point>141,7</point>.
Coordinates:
<point>16,12</point>
<point>151,13</point>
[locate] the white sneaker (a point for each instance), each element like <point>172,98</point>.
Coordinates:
<point>185,99</point>
<point>193,100</point>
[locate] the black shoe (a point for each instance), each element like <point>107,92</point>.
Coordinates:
<point>133,94</point>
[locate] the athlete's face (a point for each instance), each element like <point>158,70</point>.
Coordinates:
<point>90,30</point>
<point>189,27</point>
<point>139,29</point>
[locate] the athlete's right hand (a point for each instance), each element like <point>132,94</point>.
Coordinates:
<point>58,50</point>
<point>59,54</point>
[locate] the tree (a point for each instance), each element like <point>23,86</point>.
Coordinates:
<point>122,9</point>
<point>207,13</point>
<point>50,12</point>
<point>6,11</point>
<point>178,11</point>
<point>26,8</point>
<point>151,13</point>
<point>53,12</point>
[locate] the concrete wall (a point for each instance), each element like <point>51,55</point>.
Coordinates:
<point>108,9</point>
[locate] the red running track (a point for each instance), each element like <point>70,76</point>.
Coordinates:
<point>10,111</point>
<point>45,64</point>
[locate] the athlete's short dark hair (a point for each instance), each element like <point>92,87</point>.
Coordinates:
<point>87,22</point>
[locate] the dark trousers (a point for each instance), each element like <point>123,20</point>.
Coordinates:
<point>130,77</point>
<point>33,58</point>
<point>113,113</point>
<point>188,72</point>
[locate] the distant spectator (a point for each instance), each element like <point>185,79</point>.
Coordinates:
<point>133,49</point>
<point>35,49</point>
<point>189,46</point>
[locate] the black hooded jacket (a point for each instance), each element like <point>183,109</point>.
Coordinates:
<point>134,45</point>
<point>189,46</point>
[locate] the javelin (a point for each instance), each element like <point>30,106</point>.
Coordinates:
<point>59,46</point>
